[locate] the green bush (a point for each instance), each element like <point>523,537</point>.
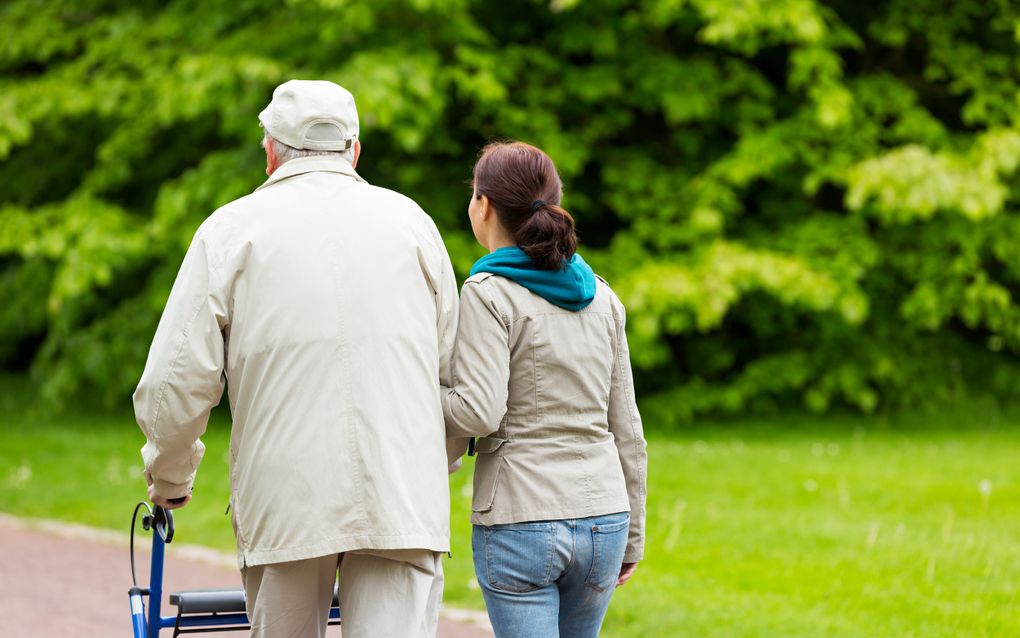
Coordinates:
<point>796,199</point>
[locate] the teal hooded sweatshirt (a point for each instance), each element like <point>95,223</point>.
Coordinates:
<point>571,287</point>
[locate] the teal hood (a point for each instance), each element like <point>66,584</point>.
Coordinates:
<point>571,287</point>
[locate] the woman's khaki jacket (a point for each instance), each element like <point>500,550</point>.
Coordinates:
<point>551,393</point>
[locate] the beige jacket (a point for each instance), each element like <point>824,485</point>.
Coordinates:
<point>551,392</point>
<point>329,307</point>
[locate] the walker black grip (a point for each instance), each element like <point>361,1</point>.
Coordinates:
<point>163,523</point>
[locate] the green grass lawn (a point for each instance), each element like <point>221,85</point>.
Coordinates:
<point>800,526</point>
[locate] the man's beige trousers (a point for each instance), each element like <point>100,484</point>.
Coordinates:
<point>382,593</point>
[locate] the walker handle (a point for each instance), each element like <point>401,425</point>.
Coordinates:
<point>163,523</point>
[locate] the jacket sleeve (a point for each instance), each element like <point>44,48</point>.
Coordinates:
<point>625,425</point>
<point>449,305</point>
<point>439,272</point>
<point>183,377</point>
<point>476,402</point>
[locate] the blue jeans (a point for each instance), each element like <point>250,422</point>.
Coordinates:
<point>549,579</point>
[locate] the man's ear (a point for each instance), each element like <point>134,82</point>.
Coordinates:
<point>357,153</point>
<point>271,165</point>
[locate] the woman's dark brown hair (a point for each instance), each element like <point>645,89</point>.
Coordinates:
<point>524,188</point>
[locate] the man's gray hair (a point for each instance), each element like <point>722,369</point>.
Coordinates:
<point>285,153</point>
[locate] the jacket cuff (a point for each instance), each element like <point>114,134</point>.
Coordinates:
<point>168,490</point>
<point>634,555</point>
<point>455,449</point>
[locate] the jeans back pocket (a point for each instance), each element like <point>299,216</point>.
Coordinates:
<point>609,542</point>
<point>518,557</point>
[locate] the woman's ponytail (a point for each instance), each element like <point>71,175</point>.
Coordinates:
<point>548,237</point>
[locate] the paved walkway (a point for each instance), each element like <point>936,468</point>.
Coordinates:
<point>59,581</point>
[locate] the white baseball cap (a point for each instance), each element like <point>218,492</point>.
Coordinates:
<point>312,114</point>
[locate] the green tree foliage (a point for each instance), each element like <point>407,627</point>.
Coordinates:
<point>796,199</point>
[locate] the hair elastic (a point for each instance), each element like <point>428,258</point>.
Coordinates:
<point>538,203</point>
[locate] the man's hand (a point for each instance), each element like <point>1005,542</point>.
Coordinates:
<point>626,572</point>
<point>166,503</point>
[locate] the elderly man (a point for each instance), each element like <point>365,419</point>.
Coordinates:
<point>328,306</point>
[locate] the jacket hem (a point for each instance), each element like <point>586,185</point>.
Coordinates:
<point>523,516</point>
<point>253,558</point>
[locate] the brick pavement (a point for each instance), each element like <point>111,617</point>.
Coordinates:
<point>58,581</point>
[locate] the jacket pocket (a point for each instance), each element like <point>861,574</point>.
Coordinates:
<point>487,467</point>
<point>232,511</point>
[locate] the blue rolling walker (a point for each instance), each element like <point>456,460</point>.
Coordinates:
<point>198,611</point>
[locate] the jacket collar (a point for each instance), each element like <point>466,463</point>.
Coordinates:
<point>310,164</point>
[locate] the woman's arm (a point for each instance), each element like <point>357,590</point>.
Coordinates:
<point>625,424</point>
<point>476,402</point>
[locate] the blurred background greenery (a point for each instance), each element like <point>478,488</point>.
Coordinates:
<point>799,201</point>
<point>808,206</point>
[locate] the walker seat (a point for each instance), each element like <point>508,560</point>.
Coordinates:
<point>217,601</point>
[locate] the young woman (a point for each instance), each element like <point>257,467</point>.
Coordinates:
<point>542,373</point>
